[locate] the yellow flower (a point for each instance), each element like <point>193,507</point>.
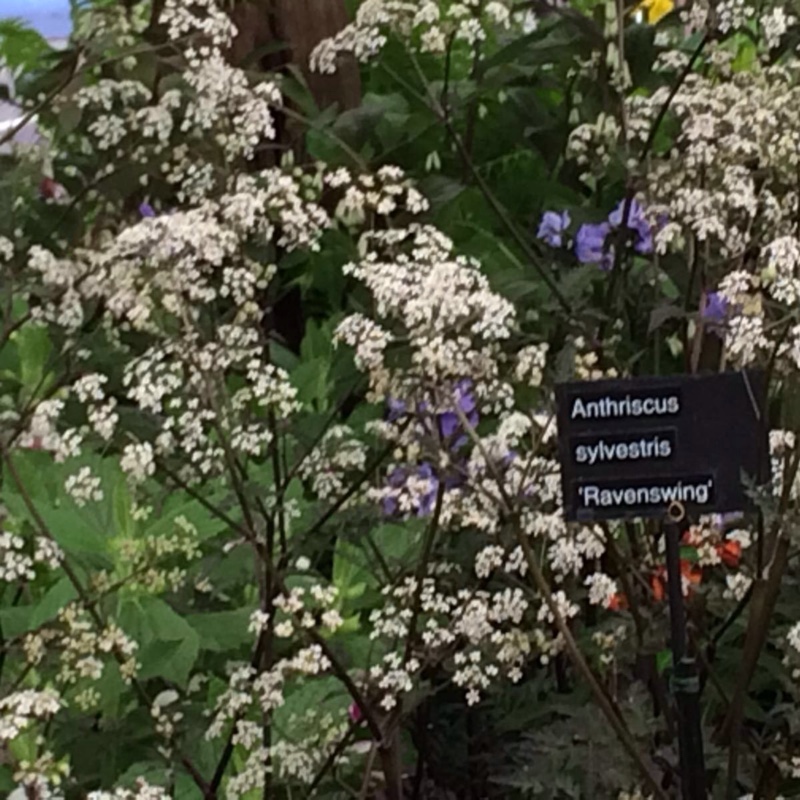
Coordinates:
<point>656,9</point>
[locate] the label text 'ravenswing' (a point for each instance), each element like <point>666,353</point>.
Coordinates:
<point>700,491</point>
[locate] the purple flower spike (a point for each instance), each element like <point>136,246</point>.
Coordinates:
<point>397,408</point>
<point>637,223</point>
<point>590,245</point>
<point>635,214</point>
<point>450,421</point>
<point>396,479</point>
<point>146,210</point>
<point>552,227</point>
<point>644,243</point>
<point>721,520</point>
<point>465,398</point>
<point>389,506</point>
<point>427,500</point>
<point>448,424</point>
<point>715,309</point>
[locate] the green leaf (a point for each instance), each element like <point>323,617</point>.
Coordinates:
<point>317,342</point>
<point>311,381</point>
<point>397,542</point>
<point>383,114</point>
<point>163,622</point>
<point>222,631</point>
<point>75,531</point>
<point>36,473</point>
<point>663,660</point>
<point>746,57</point>
<point>662,314</point>
<point>668,287</point>
<point>179,505</point>
<point>170,660</point>
<point>21,47</point>
<point>440,190</point>
<point>58,596</point>
<point>69,118</point>
<point>121,504</point>
<point>33,345</point>
<point>16,620</point>
<point>169,645</point>
<point>111,688</point>
<point>351,574</point>
<point>319,695</point>
<point>282,357</point>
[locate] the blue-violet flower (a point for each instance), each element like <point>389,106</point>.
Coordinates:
<point>552,227</point>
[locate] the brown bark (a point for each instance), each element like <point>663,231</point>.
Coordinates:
<point>298,25</point>
<point>273,34</point>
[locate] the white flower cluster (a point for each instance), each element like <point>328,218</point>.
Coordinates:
<point>709,183</point>
<point>169,272</point>
<point>214,106</point>
<point>18,563</point>
<point>158,562</point>
<point>439,301</point>
<point>737,585</point>
<point>425,25</point>
<point>608,643</point>
<point>19,710</point>
<point>637,794</point>
<point>592,145</point>
<point>179,263</point>
<point>482,630</point>
<point>180,382</point>
<point>384,193</point>
<point>41,432</point>
<point>84,487</point>
<point>166,720</point>
<point>137,462</point>
<point>6,249</point>
<point>782,445</point>
<point>143,791</point>
<point>571,548</point>
<point>602,589</point>
<point>728,186</point>
<point>101,410</point>
<point>300,607</point>
<point>82,649</point>
<point>338,455</point>
<point>294,756</point>
<point>531,361</point>
<point>36,786</point>
<point>261,693</point>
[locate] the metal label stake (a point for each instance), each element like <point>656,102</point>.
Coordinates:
<point>685,680</point>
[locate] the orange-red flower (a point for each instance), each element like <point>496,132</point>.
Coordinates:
<point>730,552</point>
<point>658,581</point>
<point>618,602</point>
<point>692,572</point>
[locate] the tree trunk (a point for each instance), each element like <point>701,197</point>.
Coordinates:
<point>298,25</point>
<point>274,34</point>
